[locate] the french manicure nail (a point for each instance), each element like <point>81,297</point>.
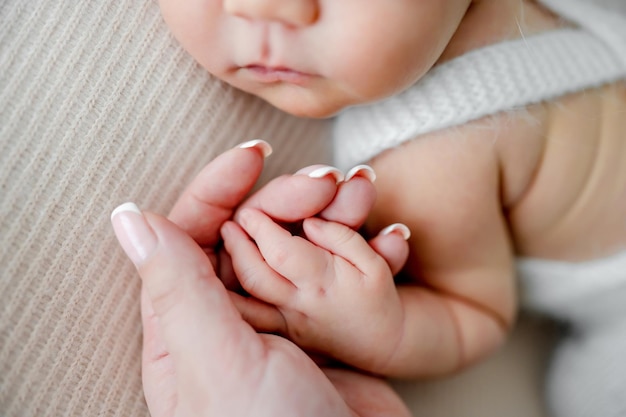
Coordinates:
<point>404,231</point>
<point>260,144</point>
<point>133,232</point>
<point>362,171</point>
<point>325,171</point>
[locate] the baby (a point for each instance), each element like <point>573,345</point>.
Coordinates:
<point>496,129</point>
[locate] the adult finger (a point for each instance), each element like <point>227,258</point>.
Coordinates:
<point>265,318</point>
<point>357,389</point>
<point>391,243</point>
<point>197,319</point>
<point>354,199</point>
<point>220,187</point>
<point>291,198</point>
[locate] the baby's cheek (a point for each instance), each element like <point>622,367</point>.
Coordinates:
<point>194,25</point>
<point>371,81</point>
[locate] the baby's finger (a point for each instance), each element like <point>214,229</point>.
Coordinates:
<point>347,244</point>
<point>354,199</point>
<point>291,198</point>
<point>293,257</point>
<point>252,271</point>
<point>391,243</point>
<point>215,192</point>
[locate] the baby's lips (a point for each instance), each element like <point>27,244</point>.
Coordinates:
<point>322,171</point>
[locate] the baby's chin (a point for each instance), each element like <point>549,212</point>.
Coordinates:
<point>308,111</point>
<point>313,106</point>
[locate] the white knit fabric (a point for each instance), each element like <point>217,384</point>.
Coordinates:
<point>500,77</point>
<point>587,377</point>
<point>601,21</point>
<point>585,293</point>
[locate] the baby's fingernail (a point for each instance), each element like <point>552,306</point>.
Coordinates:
<point>326,171</point>
<point>260,144</point>
<point>365,171</point>
<point>404,231</point>
<point>133,232</point>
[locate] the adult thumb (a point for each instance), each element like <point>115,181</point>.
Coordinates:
<point>196,316</point>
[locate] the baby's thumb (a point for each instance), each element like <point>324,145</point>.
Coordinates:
<point>196,316</point>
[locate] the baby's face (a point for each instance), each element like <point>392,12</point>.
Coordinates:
<point>315,57</point>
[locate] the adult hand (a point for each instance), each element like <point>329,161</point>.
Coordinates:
<point>223,186</point>
<point>202,359</point>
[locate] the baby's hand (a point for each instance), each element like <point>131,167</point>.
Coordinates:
<point>316,190</point>
<point>332,291</point>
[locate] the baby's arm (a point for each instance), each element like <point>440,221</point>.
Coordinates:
<point>461,300</point>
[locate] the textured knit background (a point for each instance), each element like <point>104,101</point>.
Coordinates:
<point>99,105</point>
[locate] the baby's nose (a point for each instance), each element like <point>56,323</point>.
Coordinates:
<point>289,12</point>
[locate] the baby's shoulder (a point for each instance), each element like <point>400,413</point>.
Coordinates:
<point>563,169</point>
<point>559,136</point>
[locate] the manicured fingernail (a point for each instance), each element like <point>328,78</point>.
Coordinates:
<point>365,171</point>
<point>404,231</point>
<point>260,144</point>
<point>326,171</point>
<point>133,232</point>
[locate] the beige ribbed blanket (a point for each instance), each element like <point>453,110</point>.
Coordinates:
<point>99,105</point>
